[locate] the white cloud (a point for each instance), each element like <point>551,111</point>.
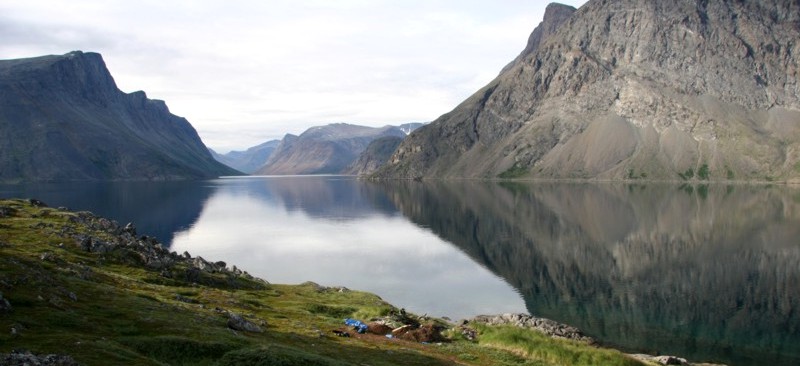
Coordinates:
<point>225,65</point>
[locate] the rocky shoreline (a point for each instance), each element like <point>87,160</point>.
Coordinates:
<point>123,242</point>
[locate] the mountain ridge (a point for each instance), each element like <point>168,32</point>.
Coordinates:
<point>632,89</point>
<point>65,119</point>
<point>327,149</point>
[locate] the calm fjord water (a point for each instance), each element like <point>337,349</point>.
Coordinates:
<point>705,272</point>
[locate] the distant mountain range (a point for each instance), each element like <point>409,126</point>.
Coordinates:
<point>250,160</point>
<point>338,148</point>
<point>684,90</point>
<point>62,118</point>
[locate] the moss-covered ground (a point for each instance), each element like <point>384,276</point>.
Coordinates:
<point>105,309</point>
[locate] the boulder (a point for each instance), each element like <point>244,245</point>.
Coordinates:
<point>237,322</point>
<point>670,360</point>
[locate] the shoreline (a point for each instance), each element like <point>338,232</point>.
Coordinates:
<point>103,238</point>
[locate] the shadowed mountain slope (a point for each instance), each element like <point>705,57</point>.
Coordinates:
<point>63,118</point>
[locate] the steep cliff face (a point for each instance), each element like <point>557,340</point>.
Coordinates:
<point>328,149</point>
<point>632,89</point>
<point>63,118</point>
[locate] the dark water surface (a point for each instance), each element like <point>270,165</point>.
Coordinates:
<point>705,272</point>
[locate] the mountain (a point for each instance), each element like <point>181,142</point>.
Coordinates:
<point>631,89</point>
<point>328,149</point>
<point>374,156</point>
<point>708,273</point>
<point>250,160</point>
<point>63,118</point>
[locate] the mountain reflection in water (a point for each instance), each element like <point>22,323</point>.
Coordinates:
<point>705,272</point>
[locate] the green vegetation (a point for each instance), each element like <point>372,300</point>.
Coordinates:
<point>515,171</point>
<point>703,172</point>
<point>730,174</point>
<point>544,350</point>
<point>688,174</point>
<point>108,307</point>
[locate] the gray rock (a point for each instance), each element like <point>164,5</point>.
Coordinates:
<point>590,101</point>
<point>546,326</point>
<point>25,358</point>
<point>670,360</point>
<point>237,322</point>
<point>130,229</point>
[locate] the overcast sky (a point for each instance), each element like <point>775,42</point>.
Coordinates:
<point>244,72</point>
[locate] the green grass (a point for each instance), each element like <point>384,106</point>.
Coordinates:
<point>106,309</point>
<point>515,171</point>
<point>549,351</point>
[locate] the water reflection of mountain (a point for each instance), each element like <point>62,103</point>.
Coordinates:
<point>712,273</point>
<point>158,209</point>
<point>325,197</point>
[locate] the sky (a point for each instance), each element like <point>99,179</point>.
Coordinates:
<point>245,72</point>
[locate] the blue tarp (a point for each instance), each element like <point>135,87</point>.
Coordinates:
<point>357,324</point>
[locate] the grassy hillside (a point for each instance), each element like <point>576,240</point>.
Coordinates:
<point>83,286</point>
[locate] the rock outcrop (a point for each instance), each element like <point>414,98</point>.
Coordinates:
<point>631,89</point>
<point>25,358</point>
<point>546,326</point>
<point>62,118</point>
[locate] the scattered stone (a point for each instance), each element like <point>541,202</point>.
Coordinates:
<point>20,358</point>
<point>469,333</point>
<point>670,360</point>
<point>72,296</point>
<point>237,322</point>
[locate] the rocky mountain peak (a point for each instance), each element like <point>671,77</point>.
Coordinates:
<point>624,89</point>
<point>554,16</point>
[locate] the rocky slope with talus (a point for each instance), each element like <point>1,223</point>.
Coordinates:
<point>632,89</point>
<point>63,118</point>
